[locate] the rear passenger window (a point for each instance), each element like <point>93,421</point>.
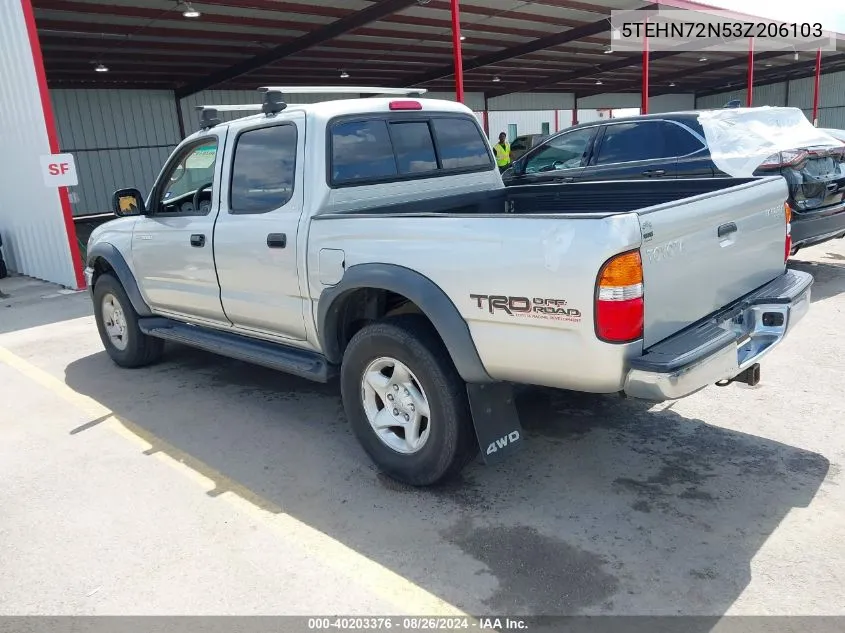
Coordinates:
<point>398,148</point>
<point>413,146</point>
<point>628,142</point>
<point>361,150</point>
<point>461,144</point>
<point>263,169</point>
<point>679,141</point>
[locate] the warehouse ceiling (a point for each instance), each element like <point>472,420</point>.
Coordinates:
<point>510,46</point>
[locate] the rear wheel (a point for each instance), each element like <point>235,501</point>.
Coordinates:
<point>117,323</point>
<point>406,402</point>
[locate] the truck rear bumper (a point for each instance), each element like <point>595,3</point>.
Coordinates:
<point>724,344</point>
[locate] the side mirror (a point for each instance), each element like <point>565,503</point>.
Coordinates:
<point>126,202</point>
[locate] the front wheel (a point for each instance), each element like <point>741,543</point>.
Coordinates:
<point>406,402</point>
<point>117,323</point>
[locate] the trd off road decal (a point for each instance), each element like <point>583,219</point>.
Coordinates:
<point>534,308</point>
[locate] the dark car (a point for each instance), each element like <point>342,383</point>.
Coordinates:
<point>521,144</point>
<point>673,146</point>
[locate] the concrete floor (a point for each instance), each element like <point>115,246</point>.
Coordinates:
<point>207,486</point>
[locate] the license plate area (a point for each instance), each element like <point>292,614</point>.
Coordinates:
<point>757,328</point>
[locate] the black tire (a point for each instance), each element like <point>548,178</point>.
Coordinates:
<point>412,340</point>
<point>140,349</point>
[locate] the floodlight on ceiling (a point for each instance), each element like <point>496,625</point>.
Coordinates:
<point>344,74</point>
<point>497,79</point>
<point>101,68</point>
<point>189,11</point>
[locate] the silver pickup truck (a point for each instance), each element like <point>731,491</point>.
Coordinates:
<point>373,239</point>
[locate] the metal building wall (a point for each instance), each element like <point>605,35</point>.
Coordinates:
<point>526,101</point>
<point>473,100</point>
<point>527,122</point>
<point>800,91</point>
<point>32,224</point>
<point>120,138</point>
<point>671,103</point>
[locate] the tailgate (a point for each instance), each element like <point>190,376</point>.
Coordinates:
<point>702,253</point>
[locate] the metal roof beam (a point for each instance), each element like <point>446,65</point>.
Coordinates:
<point>681,74</point>
<point>534,46</point>
<point>774,75</point>
<point>317,36</point>
<point>625,62</point>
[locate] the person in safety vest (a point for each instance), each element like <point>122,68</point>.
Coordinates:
<point>503,152</point>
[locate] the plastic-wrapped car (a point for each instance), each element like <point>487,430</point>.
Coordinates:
<point>736,142</point>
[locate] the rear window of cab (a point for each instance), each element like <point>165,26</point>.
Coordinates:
<point>389,148</point>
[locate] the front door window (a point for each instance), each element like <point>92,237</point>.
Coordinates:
<point>188,184</point>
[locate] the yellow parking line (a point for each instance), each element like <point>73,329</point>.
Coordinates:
<point>380,581</point>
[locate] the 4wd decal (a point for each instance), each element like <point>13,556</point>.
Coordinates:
<point>536,307</point>
<point>510,438</point>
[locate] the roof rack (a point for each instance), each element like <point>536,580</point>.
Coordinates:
<point>372,90</point>
<point>273,100</point>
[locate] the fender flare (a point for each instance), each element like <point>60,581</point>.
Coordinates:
<point>115,259</point>
<point>426,294</point>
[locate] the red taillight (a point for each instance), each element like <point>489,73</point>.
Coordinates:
<point>620,308</point>
<point>787,247</point>
<point>787,158</point>
<point>405,105</point>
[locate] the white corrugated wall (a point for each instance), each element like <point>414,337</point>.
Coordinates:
<point>120,138</point>
<point>527,122</point>
<point>35,239</point>
<point>831,98</point>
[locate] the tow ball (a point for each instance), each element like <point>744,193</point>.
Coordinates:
<point>750,377</point>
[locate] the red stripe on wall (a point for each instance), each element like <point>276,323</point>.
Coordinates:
<point>52,137</point>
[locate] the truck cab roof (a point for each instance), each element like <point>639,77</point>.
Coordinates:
<point>324,111</point>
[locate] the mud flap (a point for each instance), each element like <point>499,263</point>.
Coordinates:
<point>495,419</point>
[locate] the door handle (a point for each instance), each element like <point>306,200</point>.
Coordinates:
<point>198,239</point>
<point>277,240</point>
<point>726,229</point>
<point>654,172</point>
<point>567,179</point>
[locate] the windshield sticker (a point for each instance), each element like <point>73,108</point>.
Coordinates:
<point>202,157</point>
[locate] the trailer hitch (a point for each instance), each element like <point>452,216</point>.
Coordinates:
<point>749,376</point>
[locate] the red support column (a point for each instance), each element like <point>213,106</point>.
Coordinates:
<point>749,99</point>
<point>456,46</point>
<point>485,117</point>
<point>644,104</point>
<point>817,85</point>
<point>575,110</point>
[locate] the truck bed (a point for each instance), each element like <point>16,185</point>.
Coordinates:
<point>601,198</point>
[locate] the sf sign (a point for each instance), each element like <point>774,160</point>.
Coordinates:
<point>59,170</point>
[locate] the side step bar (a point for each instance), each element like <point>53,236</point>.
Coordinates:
<point>291,360</point>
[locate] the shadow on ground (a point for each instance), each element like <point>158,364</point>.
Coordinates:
<point>609,508</point>
<point>829,275</point>
<point>27,303</point>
